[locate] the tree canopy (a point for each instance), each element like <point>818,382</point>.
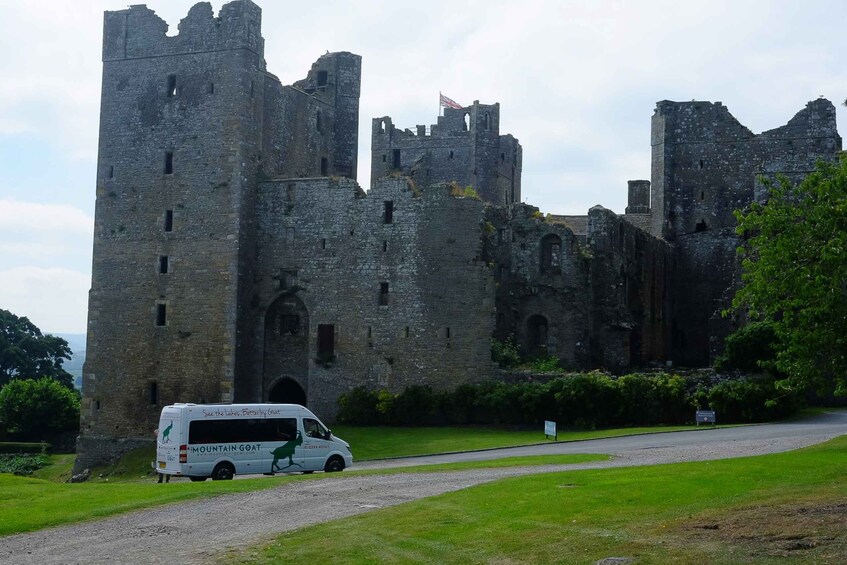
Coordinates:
<point>33,409</point>
<point>26,353</point>
<point>794,260</point>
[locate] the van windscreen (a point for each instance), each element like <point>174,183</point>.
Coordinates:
<point>241,430</point>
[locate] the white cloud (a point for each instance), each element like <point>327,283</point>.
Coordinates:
<point>55,300</point>
<point>28,217</point>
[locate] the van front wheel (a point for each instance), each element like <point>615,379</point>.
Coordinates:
<point>223,472</point>
<point>334,464</point>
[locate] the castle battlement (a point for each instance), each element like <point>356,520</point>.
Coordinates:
<point>138,32</point>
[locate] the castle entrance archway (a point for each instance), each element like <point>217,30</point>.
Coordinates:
<point>286,352</point>
<point>287,391</point>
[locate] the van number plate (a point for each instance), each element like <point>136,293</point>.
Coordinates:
<point>162,464</point>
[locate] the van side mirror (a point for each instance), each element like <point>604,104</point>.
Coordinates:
<point>328,434</point>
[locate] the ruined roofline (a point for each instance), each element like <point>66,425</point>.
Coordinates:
<point>816,118</point>
<point>443,122</point>
<point>137,32</point>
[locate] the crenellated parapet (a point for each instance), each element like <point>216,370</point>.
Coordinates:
<point>138,32</point>
<point>464,147</point>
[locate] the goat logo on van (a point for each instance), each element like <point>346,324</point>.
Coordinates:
<point>286,450</point>
<point>167,432</point>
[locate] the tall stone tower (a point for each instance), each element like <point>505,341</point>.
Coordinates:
<point>188,124</point>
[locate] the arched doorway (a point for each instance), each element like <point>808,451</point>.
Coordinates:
<point>536,333</point>
<point>287,391</point>
<point>286,352</point>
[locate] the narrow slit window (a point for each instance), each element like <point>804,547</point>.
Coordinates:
<point>111,171</point>
<point>323,243</point>
<point>210,88</point>
<point>171,86</point>
<point>395,162</point>
<point>384,246</point>
<point>406,332</point>
<point>318,124</point>
<point>153,392</point>
<point>326,342</point>
<point>161,315</point>
<point>324,166</point>
<point>383,294</point>
<point>169,162</point>
<point>164,264</point>
<point>323,78</point>
<point>169,220</point>
<point>447,332</point>
<point>388,215</point>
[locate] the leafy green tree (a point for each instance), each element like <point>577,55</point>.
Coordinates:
<point>26,353</point>
<point>749,348</point>
<point>794,261</point>
<point>32,409</point>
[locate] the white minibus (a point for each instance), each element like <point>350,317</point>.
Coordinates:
<point>199,441</point>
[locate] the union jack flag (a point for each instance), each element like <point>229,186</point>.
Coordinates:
<point>449,102</point>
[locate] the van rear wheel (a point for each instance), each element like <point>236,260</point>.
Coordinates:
<point>223,472</point>
<point>334,464</point>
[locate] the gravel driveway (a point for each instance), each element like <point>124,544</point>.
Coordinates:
<point>199,531</point>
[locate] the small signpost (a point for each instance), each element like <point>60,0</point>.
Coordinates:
<point>550,430</point>
<point>705,417</point>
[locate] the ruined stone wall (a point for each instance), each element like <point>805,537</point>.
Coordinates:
<point>176,164</point>
<point>311,127</point>
<point>705,166</point>
<point>465,147</point>
<point>543,296</point>
<point>631,277</point>
<point>327,246</point>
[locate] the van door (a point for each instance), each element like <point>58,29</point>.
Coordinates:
<point>169,437</point>
<point>285,454</point>
<point>316,444</point>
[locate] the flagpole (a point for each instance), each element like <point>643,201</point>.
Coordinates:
<point>439,104</point>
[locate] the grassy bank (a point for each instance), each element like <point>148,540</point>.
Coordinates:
<point>374,442</point>
<point>754,510</point>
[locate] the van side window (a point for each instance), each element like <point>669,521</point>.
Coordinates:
<point>314,428</point>
<point>237,431</point>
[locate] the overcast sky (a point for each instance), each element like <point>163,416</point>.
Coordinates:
<point>577,83</point>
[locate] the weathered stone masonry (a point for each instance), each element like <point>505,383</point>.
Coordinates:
<point>237,259</point>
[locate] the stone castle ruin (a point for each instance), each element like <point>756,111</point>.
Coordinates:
<point>236,258</point>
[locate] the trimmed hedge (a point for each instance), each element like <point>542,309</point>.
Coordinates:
<point>585,400</point>
<point>18,447</point>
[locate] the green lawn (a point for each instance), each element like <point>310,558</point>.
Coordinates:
<point>43,500</point>
<point>755,510</point>
<point>382,442</point>
<point>28,504</point>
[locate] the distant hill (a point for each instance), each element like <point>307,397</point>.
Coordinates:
<point>74,366</point>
